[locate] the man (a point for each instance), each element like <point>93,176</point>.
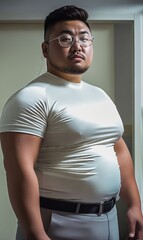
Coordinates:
<point>64,154</point>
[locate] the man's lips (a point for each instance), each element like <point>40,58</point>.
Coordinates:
<point>76,56</point>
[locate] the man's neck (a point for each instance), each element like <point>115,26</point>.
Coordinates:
<point>76,78</point>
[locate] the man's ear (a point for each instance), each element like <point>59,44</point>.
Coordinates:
<point>45,49</point>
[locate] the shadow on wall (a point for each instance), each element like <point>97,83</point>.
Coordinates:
<point>123,225</point>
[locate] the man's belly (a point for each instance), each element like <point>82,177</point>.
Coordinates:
<point>92,176</point>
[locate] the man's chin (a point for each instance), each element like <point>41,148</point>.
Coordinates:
<point>75,71</point>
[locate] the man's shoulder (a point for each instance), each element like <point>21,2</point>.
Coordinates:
<point>94,87</point>
<point>34,91</point>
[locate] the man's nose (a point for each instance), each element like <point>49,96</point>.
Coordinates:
<point>76,45</point>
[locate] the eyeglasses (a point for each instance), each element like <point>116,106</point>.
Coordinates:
<point>66,40</point>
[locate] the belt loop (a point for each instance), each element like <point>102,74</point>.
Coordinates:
<point>100,209</point>
<point>77,208</point>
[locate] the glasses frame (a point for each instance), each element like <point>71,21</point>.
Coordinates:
<point>72,42</point>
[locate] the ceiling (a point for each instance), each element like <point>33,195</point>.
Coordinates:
<point>38,9</point>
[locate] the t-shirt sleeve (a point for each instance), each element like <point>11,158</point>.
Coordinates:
<point>26,112</point>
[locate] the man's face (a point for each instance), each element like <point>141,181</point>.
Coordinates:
<point>74,59</point>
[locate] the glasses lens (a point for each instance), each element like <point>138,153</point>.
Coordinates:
<point>66,40</point>
<point>85,40</point>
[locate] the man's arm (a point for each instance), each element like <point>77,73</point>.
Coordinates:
<point>129,191</point>
<point>20,153</point>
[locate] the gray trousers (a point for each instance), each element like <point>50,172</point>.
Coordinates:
<point>67,226</point>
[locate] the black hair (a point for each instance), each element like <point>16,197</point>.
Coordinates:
<point>65,13</point>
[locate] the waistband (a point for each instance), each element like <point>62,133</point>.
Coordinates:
<point>77,207</point>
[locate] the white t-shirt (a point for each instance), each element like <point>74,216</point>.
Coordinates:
<point>79,125</point>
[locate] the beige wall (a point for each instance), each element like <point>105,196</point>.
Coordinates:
<point>101,73</point>
<point>21,61</point>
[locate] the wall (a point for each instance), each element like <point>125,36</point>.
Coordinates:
<point>101,72</point>
<point>124,82</point>
<point>20,61</point>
